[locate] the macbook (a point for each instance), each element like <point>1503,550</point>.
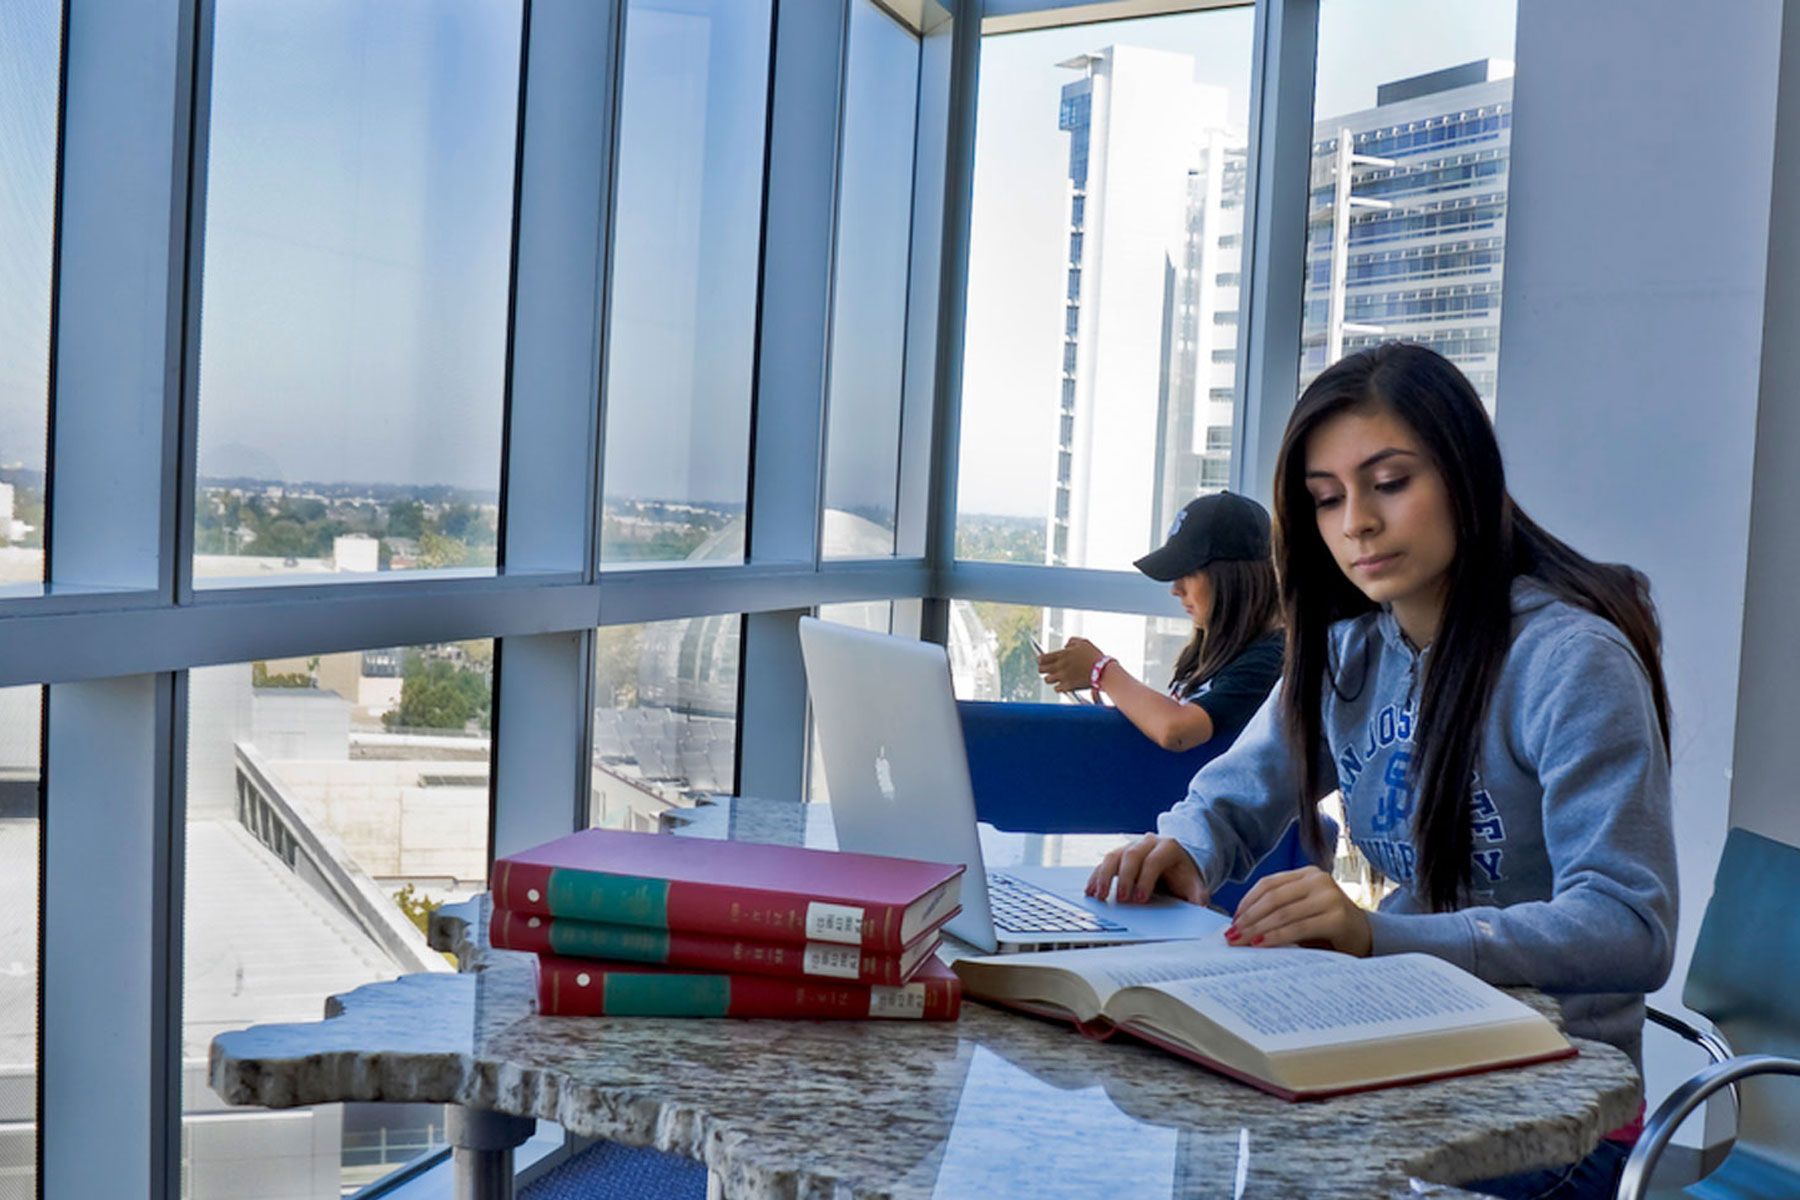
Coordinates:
<point>899,780</point>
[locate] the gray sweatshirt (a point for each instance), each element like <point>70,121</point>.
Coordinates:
<point>1573,872</point>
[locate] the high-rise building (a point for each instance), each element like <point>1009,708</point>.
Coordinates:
<point>1155,218</point>
<point>1405,241</point>
<point>1408,224</point>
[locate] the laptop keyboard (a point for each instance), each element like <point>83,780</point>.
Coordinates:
<point>1021,907</point>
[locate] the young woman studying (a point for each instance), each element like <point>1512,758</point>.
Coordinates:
<point>1490,705</point>
<point>1217,562</point>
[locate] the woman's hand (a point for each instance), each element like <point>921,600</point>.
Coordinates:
<point>1071,668</point>
<point>1300,908</point>
<point>1146,865</point>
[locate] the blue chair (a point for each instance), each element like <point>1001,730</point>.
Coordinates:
<point>1080,768</point>
<point>1745,980</point>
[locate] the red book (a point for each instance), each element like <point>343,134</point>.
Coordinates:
<point>576,987</point>
<point>564,937</point>
<point>730,889</point>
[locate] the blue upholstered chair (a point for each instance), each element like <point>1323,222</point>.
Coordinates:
<point>1745,980</point>
<point>1080,768</point>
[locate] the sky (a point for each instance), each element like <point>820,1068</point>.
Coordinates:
<point>359,197</point>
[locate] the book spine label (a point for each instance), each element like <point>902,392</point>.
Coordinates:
<point>841,923</point>
<point>836,962</point>
<point>579,990</point>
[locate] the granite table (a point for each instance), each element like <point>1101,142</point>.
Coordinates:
<point>994,1105</point>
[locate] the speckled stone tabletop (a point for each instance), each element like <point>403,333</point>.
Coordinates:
<point>993,1105</point>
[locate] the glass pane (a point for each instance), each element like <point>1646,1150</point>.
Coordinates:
<point>1105,253</point>
<point>992,658</point>
<point>333,801</point>
<point>665,719</point>
<point>21,715</point>
<point>686,241</point>
<point>1406,229</point>
<point>358,244</point>
<point>868,324</point>
<point>30,62</point>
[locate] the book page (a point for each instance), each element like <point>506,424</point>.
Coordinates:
<point>1107,969</point>
<point>1335,1000</point>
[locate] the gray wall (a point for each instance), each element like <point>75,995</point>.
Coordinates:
<point>1637,246</point>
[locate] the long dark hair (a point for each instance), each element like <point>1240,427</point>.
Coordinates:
<point>1245,606</point>
<point>1495,543</point>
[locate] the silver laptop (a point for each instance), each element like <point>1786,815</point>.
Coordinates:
<point>899,779</point>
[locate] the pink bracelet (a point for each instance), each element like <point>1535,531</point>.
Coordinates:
<point>1099,670</point>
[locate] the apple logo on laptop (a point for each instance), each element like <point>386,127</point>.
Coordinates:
<point>884,775</point>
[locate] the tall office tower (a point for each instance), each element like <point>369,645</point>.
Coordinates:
<point>1408,221</point>
<point>1156,184</point>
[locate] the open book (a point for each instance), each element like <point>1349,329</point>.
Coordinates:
<point>1300,1024</point>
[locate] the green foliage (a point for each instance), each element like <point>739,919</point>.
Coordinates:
<point>436,550</point>
<point>305,526</point>
<point>262,677</point>
<point>664,545</point>
<point>418,906</point>
<point>1014,626</point>
<point>982,537</point>
<point>438,694</point>
<point>616,652</point>
<point>405,518</point>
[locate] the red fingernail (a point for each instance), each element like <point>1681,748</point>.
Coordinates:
<point>1257,940</point>
<point>1231,933</point>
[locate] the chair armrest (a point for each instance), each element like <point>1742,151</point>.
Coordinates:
<point>1634,1182</point>
<point>1716,1047</point>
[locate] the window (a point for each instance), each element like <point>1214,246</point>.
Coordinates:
<point>1422,206</point>
<point>665,719</point>
<point>21,711</point>
<point>1065,173</point>
<point>868,325</point>
<point>332,801</point>
<point>30,52</point>
<point>359,194</point>
<point>991,657</point>
<point>687,233</point>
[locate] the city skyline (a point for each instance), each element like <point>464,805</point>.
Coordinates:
<point>311,428</point>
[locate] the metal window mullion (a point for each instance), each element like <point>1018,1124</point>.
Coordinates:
<point>1274,264</point>
<point>964,69</point>
<point>539,774</point>
<point>924,295</point>
<point>793,369</point>
<point>563,202</point>
<point>1059,587</point>
<point>121,274</point>
<point>111,975</point>
<point>541,771</point>
<point>112,849</point>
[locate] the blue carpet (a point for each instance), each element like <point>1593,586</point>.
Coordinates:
<point>606,1171</point>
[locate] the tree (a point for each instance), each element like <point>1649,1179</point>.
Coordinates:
<point>405,518</point>
<point>1013,627</point>
<point>435,694</point>
<point>436,550</point>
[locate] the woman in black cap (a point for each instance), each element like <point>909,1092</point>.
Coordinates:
<point>1217,564</point>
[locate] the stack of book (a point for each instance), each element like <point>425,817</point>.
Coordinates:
<point>639,924</point>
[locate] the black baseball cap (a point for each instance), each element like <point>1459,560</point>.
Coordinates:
<point>1223,525</point>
